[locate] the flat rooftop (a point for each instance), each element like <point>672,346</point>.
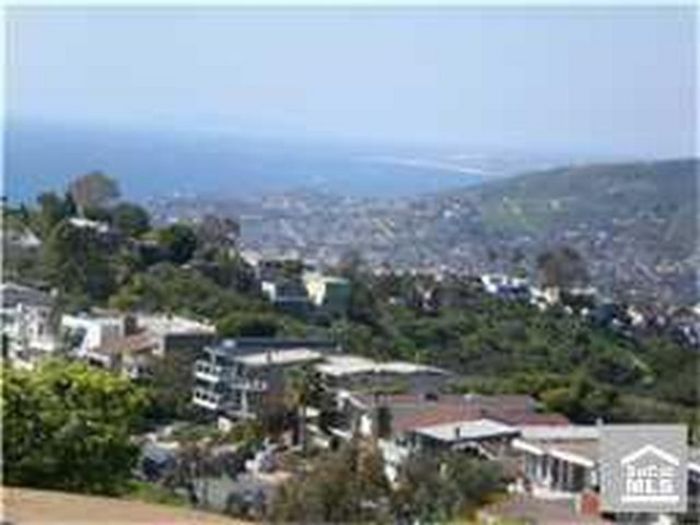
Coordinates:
<point>289,356</point>
<point>560,432</point>
<point>467,430</point>
<point>172,324</point>
<point>347,365</point>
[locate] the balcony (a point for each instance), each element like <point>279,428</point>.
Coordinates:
<point>206,399</point>
<point>209,372</point>
<point>250,385</point>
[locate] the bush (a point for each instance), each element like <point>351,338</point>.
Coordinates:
<point>68,427</point>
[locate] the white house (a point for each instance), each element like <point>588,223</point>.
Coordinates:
<point>326,291</point>
<point>129,343</point>
<point>90,332</point>
<point>26,324</point>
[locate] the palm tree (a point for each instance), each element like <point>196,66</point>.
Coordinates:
<point>304,387</point>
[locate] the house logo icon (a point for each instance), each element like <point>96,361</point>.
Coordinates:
<point>643,468</point>
<point>648,475</point>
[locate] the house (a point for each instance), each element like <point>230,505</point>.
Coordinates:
<point>558,461</point>
<point>505,286</point>
<point>287,295</point>
<point>83,223</point>
<point>413,411</point>
<point>88,332</point>
<point>485,437</point>
<point>129,343</point>
<point>561,463</point>
<point>131,355</point>
<point>357,373</point>
<point>480,425</point>
<point>173,333</point>
<point>27,328</point>
<point>329,293</point>
<point>236,377</point>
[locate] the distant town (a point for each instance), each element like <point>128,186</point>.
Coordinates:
<point>637,234</point>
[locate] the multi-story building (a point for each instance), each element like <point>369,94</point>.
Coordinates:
<point>236,376</point>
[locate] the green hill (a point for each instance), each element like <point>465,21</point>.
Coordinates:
<point>659,197</point>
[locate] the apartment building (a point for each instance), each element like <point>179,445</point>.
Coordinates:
<point>235,376</point>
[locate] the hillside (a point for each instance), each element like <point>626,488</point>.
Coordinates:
<point>635,223</point>
<point>542,202</point>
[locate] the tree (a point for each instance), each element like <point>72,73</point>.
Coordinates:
<point>248,324</point>
<point>304,388</point>
<point>165,287</point>
<point>68,427</point>
<point>562,267</point>
<point>583,401</point>
<point>93,190</point>
<point>170,386</point>
<point>179,241</point>
<point>76,262</point>
<point>363,306</point>
<point>344,486</point>
<point>218,231</point>
<point>130,219</point>
<point>444,487</point>
<point>52,210</point>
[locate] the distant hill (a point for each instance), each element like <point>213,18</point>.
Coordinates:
<point>661,196</point>
<point>634,223</point>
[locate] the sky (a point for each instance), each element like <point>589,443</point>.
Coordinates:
<point>599,81</point>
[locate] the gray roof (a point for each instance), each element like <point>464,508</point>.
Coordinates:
<point>14,294</point>
<point>467,430</point>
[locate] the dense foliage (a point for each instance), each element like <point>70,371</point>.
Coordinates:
<point>68,427</point>
<point>343,486</point>
<point>349,486</point>
<point>584,370</point>
<point>437,488</point>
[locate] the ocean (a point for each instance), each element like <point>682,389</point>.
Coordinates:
<point>158,163</point>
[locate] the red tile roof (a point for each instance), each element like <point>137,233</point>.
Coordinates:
<point>412,411</point>
<point>130,344</point>
<point>434,415</point>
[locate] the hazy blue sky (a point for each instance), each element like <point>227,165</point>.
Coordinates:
<point>608,81</point>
